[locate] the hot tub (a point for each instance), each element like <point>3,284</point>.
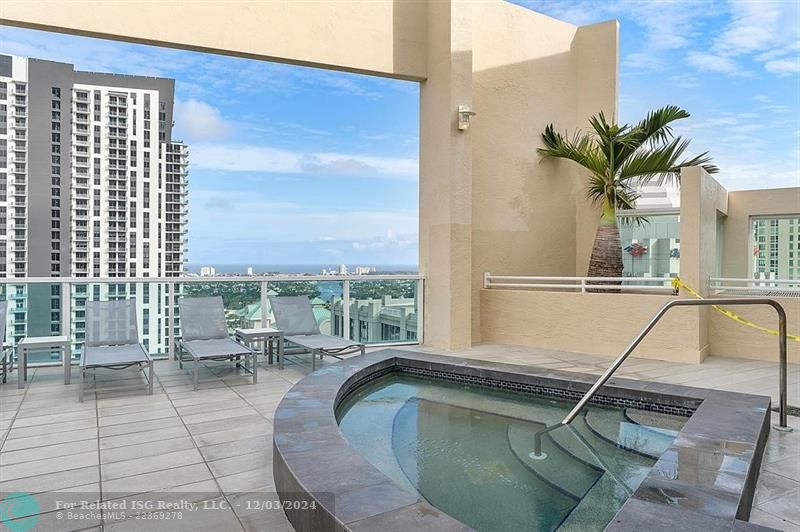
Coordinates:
<point>466,449</point>
<point>400,440</point>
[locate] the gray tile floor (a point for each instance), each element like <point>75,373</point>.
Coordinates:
<point>213,447</point>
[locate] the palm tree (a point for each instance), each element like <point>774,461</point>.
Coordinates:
<point>619,158</point>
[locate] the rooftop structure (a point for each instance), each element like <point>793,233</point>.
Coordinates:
<point>504,241</point>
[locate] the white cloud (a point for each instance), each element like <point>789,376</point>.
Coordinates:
<point>642,61</point>
<point>252,215</point>
<point>741,173</point>
<point>363,165</point>
<point>765,31</point>
<point>247,158</point>
<point>197,120</point>
<point>713,63</point>
<point>756,26</point>
<point>390,240</point>
<point>244,159</point>
<point>783,66</point>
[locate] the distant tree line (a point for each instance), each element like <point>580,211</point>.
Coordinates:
<point>379,289</point>
<point>237,295</point>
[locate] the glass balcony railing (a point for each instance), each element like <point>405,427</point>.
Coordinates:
<point>372,309</point>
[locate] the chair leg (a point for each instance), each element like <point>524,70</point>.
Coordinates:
<point>21,365</point>
<point>82,383</point>
<point>150,380</point>
<point>195,373</point>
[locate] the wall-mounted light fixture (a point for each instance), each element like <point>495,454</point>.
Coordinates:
<point>465,114</point>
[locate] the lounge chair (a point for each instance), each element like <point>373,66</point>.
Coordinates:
<point>294,316</point>
<point>204,336</point>
<point>112,340</point>
<point>6,352</point>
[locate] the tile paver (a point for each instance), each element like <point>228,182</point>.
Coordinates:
<point>213,444</point>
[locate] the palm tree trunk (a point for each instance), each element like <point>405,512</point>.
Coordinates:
<point>606,260</point>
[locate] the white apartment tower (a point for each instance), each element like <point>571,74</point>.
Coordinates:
<point>91,185</point>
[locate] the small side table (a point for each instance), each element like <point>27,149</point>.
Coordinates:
<point>266,335</point>
<point>42,343</point>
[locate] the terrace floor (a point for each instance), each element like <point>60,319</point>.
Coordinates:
<point>213,446</point>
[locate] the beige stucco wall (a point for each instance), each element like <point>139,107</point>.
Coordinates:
<point>601,324</point>
<point>737,250</point>
<point>703,201</point>
<point>384,37</point>
<point>729,338</point>
<point>732,339</point>
<point>530,70</point>
<point>597,49</point>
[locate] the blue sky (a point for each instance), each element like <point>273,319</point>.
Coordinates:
<point>298,165</point>
<point>734,65</point>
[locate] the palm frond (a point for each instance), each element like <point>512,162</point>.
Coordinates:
<point>700,160</point>
<point>658,163</point>
<point>653,131</point>
<point>655,127</point>
<point>609,137</point>
<point>580,149</point>
<point>598,187</point>
<point>622,157</point>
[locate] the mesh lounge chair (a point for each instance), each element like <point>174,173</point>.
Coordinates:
<point>205,336</point>
<point>5,350</point>
<point>293,316</point>
<point>112,340</point>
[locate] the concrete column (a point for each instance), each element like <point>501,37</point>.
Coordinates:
<point>445,210</point>
<point>703,199</point>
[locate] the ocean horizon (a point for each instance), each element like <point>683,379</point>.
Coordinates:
<point>298,268</point>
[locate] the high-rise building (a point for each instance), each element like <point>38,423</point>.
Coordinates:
<point>776,247</point>
<point>91,185</point>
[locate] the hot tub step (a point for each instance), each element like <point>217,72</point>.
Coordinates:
<point>601,503</point>
<point>560,469</point>
<point>612,426</point>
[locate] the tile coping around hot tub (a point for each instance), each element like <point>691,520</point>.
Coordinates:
<point>704,481</point>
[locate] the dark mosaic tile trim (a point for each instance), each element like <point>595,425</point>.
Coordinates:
<point>546,391</point>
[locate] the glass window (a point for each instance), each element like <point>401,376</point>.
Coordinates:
<point>651,248</point>
<point>772,250</point>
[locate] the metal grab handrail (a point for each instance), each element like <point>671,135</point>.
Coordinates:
<point>782,361</point>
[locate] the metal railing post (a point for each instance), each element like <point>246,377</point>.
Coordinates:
<point>66,311</point>
<point>171,320</point>
<point>346,309</point>
<point>783,400</point>
<point>264,292</point>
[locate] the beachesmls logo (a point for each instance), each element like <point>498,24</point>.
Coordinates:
<point>18,511</point>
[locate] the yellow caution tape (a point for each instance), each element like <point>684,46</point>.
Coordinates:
<point>677,284</point>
